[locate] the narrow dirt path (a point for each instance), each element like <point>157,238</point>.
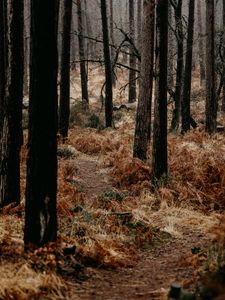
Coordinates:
<point>155,270</point>
<point>150,278</point>
<point>95,179</point>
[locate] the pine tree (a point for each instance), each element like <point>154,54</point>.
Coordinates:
<point>159,150</point>
<point>40,203</point>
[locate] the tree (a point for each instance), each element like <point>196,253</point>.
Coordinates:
<point>83,73</point>
<point>179,73</point>
<point>200,43</point>
<point>11,95</point>
<point>159,151</point>
<point>143,116</point>
<point>64,108</point>
<point>112,40</point>
<point>108,70</point>
<point>40,202</point>
<point>211,105</point>
<point>139,25</point>
<point>223,98</point>
<point>2,62</point>
<point>132,63</point>
<point>170,47</point>
<point>188,70</point>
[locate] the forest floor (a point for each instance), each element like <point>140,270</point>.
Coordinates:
<point>164,262</point>
<point>116,238</point>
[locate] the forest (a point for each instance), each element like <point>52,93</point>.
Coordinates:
<point>112,149</point>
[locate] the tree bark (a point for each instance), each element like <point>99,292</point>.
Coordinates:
<point>132,74</point>
<point>200,43</point>
<point>223,96</point>
<point>188,70</point>
<point>83,72</point>
<point>179,73</point>
<point>64,107</point>
<point>211,105</point>
<point>159,154</point>
<point>108,70</point>
<point>40,204</point>
<point>171,47</point>
<point>143,116</point>
<point>11,135</point>
<point>139,30</point>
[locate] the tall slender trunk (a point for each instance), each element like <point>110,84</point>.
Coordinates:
<point>179,73</point>
<point>200,43</point>
<point>83,72</point>
<point>132,74</point>
<point>211,105</point>
<point>223,98</point>
<point>90,45</point>
<point>139,25</point>
<point>159,155</point>
<point>143,116</point>
<point>40,204</point>
<point>171,47</point>
<point>64,107</point>
<point>188,70</point>
<point>108,70</point>
<point>11,135</point>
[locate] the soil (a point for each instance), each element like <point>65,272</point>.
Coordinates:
<point>157,268</point>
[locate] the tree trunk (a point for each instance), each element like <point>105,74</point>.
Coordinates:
<point>211,105</point>
<point>64,107</point>
<point>132,74</point>
<point>188,70</point>
<point>143,117</point>
<point>11,135</point>
<point>83,73</point>
<point>200,43</point>
<point>179,73</point>
<point>89,30</point>
<point>40,206</point>
<point>223,97</point>
<point>3,54</point>
<point>139,25</point>
<point>171,47</point>
<point>108,70</point>
<point>112,41</point>
<point>159,155</point>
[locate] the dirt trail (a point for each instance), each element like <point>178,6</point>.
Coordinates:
<point>150,278</point>
<point>156,269</point>
<point>95,179</point>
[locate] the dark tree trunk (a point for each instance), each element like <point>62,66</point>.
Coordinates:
<point>40,209</point>
<point>112,41</point>
<point>108,70</point>
<point>132,74</point>
<point>3,134</point>
<point>11,135</point>
<point>177,97</point>
<point>223,97</point>
<point>188,70</point>
<point>211,105</point>
<point>139,26</point>
<point>143,117</point>
<point>159,155</point>
<point>3,54</point>
<point>83,73</point>
<point>171,47</point>
<point>64,107</point>
<point>200,43</point>
<point>89,31</point>
<point>26,47</point>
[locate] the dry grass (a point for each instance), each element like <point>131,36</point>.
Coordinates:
<point>20,282</point>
